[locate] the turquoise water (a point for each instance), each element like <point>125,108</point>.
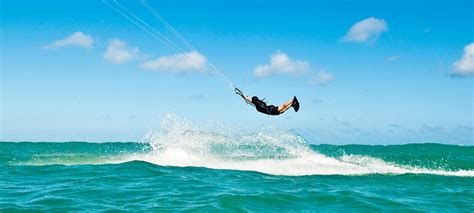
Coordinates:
<point>187,169</point>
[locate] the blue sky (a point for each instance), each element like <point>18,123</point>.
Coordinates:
<point>365,71</point>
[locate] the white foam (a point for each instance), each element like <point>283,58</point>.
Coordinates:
<point>179,143</point>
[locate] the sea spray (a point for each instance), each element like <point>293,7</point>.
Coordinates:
<point>277,152</point>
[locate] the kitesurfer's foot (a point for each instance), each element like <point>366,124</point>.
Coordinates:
<point>296,104</point>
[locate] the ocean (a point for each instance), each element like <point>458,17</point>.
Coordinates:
<point>183,169</point>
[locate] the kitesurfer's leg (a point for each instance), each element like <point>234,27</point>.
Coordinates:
<point>285,106</point>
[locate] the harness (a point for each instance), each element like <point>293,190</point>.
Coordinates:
<point>260,105</point>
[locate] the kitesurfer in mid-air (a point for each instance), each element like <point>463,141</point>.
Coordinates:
<point>270,109</point>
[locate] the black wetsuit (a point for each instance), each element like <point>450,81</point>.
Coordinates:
<point>263,108</point>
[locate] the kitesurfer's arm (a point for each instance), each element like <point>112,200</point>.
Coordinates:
<point>248,99</point>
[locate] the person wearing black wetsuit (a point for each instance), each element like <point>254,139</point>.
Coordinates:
<point>271,109</point>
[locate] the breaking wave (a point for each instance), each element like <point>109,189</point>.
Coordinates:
<point>179,143</point>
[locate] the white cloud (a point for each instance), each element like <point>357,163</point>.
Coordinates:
<point>368,29</point>
<point>280,63</point>
<point>117,52</point>
<point>77,39</point>
<point>321,78</point>
<point>182,62</point>
<point>465,65</point>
